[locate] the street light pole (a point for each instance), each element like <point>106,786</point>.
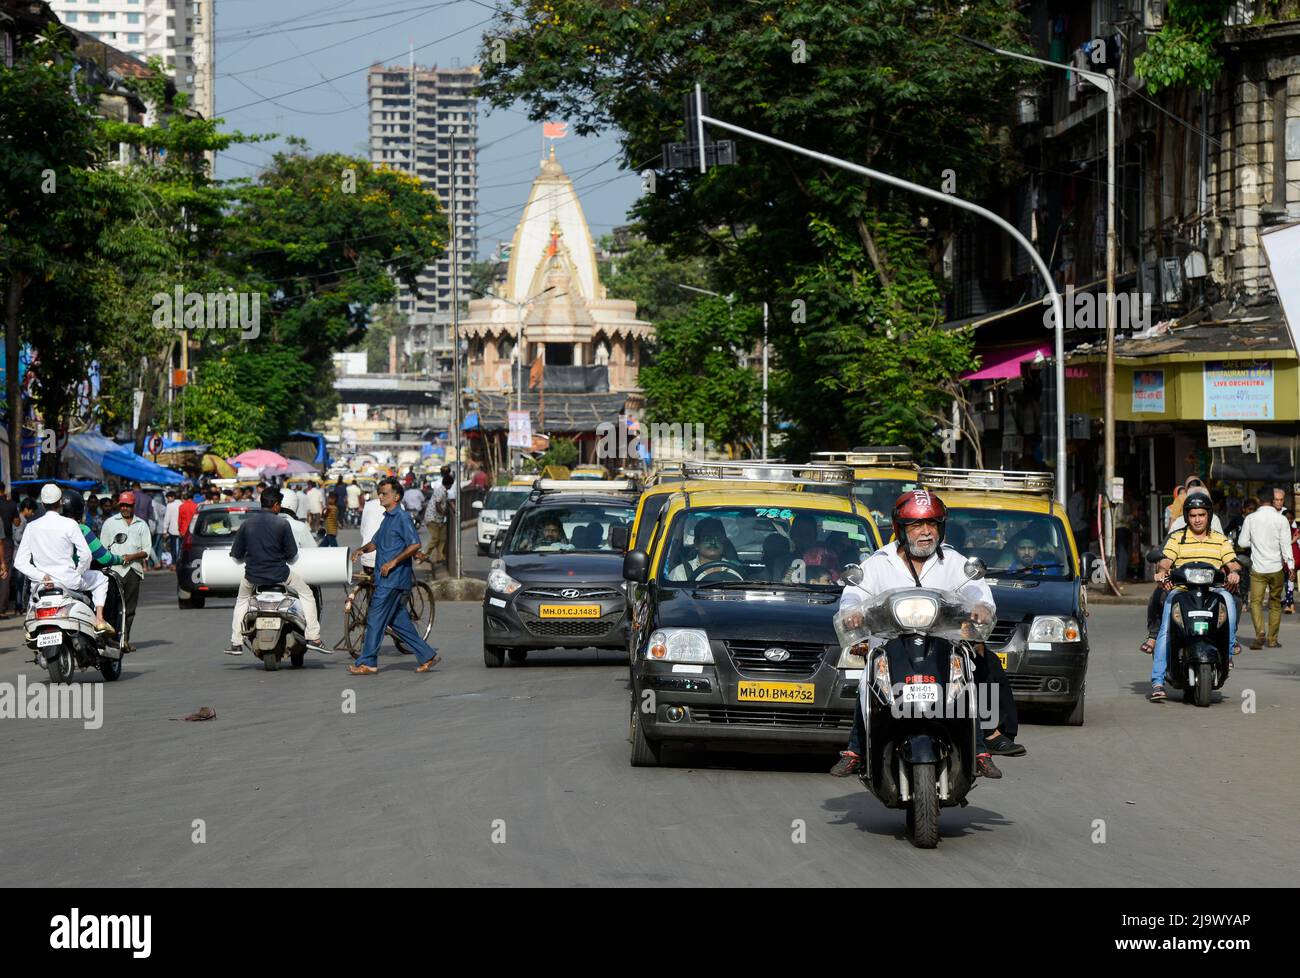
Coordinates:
<point>964,205</point>
<point>731,299</point>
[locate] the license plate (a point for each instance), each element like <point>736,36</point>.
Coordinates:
<point>49,638</point>
<point>1002,657</point>
<point>568,611</point>
<point>268,623</point>
<point>920,693</point>
<point>776,692</point>
<point>1200,627</point>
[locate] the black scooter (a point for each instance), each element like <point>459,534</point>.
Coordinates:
<point>919,699</point>
<point>1199,654</point>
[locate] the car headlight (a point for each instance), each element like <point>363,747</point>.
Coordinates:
<point>501,582</point>
<point>880,678</point>
<point>1050,628</point>
<point>679,645</point>
<point>853,657</point>
<point>915,612</point>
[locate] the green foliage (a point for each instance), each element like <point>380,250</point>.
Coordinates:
<point>1183,52</point>
<point>696,378</point>
<point>221,411</point>
<point>563,451</point>
<point>646,274</point>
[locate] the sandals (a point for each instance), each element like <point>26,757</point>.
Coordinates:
<point>1149,646</point>
<point>1157,694</point>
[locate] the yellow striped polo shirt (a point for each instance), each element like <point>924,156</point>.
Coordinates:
<point>1184,547</point>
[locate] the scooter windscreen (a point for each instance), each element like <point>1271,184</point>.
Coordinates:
<point>906,611</point>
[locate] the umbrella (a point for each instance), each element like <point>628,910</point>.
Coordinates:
<point>297,466</point>
<point>218,466</point>
<point>260,458</point>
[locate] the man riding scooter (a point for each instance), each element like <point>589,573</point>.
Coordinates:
<point>917,557</point>
<point>1195,542</point>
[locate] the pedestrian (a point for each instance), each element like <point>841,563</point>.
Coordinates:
<point>413,503</point>
<point>172,526</point>
<point>394,544</point>
<point>1077,511</point>
<point>340,492</point>
<point>331,522</point>
<point>143,502</point>
<point>1288,599</point>
<point>435,518</point>
<point>134,551</point>
<point>1267,533</point>
<point>315,507</point>
<point>185,515</point>
<point>9,523</point>
<point>105,506</point>
<point>354,504</point>
<point>157,518</point>
<point>26,513</point>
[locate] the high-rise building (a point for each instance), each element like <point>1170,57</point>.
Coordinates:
<point>412,128</point>
<point>177,31</point>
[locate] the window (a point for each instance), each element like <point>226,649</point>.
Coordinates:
<point>70,17</point>
<point>133,18</point>
<point>92,18</point>
<point>566,528</point>
<point>1011,542</point>
<point>133,39</point>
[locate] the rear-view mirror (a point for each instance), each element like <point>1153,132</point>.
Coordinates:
<point>618,537</point>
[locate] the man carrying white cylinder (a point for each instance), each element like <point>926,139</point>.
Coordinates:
<point>265,545</point>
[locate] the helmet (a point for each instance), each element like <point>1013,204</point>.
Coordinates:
<point>1198,499</point>
<point>74,506</point>
<point>127,498</point>
<point>916,505</point>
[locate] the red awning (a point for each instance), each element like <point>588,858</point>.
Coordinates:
<point>1001,364</point>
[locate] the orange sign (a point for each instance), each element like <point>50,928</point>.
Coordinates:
<point>180,378</point>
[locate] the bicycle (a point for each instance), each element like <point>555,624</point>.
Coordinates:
<point>420,605</point>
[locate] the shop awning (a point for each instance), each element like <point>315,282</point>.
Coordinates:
<point>1006,363</point>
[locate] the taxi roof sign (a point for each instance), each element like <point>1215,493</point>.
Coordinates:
<point>871,455</point>
<point>998,480</point>
<point>585,485</point>
<point>811,473</point>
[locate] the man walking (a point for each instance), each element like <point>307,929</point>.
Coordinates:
<point>435,518</point>
<point>172,526</point>
<point>354,504</point>
<point>315,507</point>
<point>8,524</point>
<point>394,544</point>
<point>134,551</point>
<point>1268,535</point>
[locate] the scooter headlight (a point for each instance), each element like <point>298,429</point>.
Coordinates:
<point>1198,575</point>
<point>915,612</point>
<point>880,678</point>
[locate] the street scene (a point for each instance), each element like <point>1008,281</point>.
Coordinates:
<point>579,445</point>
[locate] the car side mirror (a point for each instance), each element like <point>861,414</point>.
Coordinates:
<point>974,569</point>
<point>498,543</point>
<point>1087,562</point>
<point>120,538</point>
<point>636,565</point>
<point>476,504</point>
<point>618,537</point>
<point>852,574</point>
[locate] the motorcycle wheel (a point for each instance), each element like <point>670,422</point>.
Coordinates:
<point>923,815</point>
<point>60,667</point>
<point>1204,683</point>
<point>110,669</point>
<point>270,661</point>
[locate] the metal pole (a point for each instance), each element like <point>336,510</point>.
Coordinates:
<point>975,209</point>
<point>1108,407</point>
<point>517,454</point>
<point>455,353</point>
<point>765,380</point>
<point>699,123</point>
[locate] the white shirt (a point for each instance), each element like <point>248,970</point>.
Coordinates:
<point>172,521</point>
<point>1268,535</point>
<point>885,570</point>
<point>315,500</point>
<point>53,545</point>
<point>372,514</point>
<point>137,539</point>
<point>354,496</point>
<point>301,506</point>
<point>301,535</point>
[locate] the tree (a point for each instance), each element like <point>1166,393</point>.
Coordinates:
<point>1183,52</point>
<point>220,410</point>
<point>696,379</point>
<point>887,83</point>
<point>644,273</point>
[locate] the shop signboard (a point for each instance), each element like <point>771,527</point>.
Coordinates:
<point>1238,390</point>
<point>1148,392</point>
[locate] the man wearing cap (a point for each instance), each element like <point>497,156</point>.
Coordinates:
<point>54,551</point>
<point>134,551</point>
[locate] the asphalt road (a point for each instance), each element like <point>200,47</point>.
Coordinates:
<point>520,776</point>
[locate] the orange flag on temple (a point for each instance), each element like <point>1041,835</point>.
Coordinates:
<point>535,372</point>
<point>555,130</point>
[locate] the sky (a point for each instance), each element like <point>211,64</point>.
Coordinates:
<point>298,68</point>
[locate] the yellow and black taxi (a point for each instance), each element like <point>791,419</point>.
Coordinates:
<point>881,473</point>
<point>732,642</point>
<point>1011,521</point>
<point>557,578</point>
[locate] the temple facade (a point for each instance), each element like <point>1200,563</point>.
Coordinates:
<point>554,298</point>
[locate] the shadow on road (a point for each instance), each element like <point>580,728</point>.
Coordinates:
<point>864,811</point>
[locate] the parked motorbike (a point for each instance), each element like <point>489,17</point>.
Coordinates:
<point>60,630</point>
<point>274,626</point>
<point>1199,655</point>
<point>918,697</point>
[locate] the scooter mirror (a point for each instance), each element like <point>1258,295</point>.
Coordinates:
<point>852,574</point>
<point>120,538</point>
<point>1155,555</point>
<point>974,569</point>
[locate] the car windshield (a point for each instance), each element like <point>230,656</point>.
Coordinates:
<point>580,527</point>
<point>1011,543</point>
<point>222,523</point>
<point>507,500</point>
<point>764,545</point>
<point>879,496</point>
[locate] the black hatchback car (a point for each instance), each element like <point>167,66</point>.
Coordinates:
<point>558,577</point>
<point>213,526</point>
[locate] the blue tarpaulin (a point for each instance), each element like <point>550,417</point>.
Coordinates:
<point>94,455</point>
<point>471,421</point>
<point>33,486</point>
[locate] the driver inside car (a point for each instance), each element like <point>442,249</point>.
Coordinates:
<point>710,545</point>
<point>1028,558</point>
<point>550,536</point>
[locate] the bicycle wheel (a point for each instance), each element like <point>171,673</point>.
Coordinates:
<point>421,607</point>
<point>358,606</point>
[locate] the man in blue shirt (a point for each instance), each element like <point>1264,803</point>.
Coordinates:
<point>394,544</point>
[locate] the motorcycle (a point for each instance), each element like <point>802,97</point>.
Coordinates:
<point>60,630</point>
<point>918,696</point>
<point>274,626</point>
<point>1199,655</point>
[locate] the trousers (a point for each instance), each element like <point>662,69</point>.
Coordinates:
<point>388,610</point>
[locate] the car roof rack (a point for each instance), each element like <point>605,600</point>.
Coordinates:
<point>809,474</point>
<point>870,455</point>
<point>997,480</point>
<point>601,486</point>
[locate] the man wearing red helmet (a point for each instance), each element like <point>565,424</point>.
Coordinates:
<point>917,557</point>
